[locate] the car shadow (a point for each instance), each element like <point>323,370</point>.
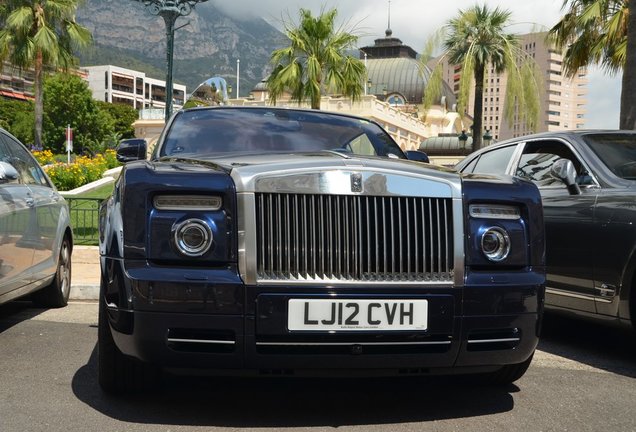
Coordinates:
<point>15,312</point>
<point>595,344</point>
<point>297,402</point>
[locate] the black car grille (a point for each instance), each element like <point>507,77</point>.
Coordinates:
<point>353,238</point>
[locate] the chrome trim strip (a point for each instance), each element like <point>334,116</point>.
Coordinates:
<point>477,341</point>
<point>339,282</point>
<point>202,341</point>
<point>458,241</point>
<point>603,300</point>
<point>568,294</point>
<point>350,343</point>
<point>330,181</point>
<point>247,253</point>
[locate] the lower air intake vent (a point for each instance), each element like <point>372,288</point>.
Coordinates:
<point>198,340</point>
<point>495,339</point>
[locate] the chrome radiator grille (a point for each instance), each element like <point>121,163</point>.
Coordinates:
<point>344,238</point>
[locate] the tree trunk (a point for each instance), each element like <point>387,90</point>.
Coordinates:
<point>39,101</point>
<point>628,90</point>
<point>315,102</point>
<point>478,108</point>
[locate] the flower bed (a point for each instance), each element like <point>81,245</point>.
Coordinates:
<point>81,171</point>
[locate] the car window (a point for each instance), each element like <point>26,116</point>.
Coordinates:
<point>493,162</point>
<point>362,145</point>
<point>6,157</point>
<point>200,132</point>
<point>470,166</point>
<point>537,160</point>
<point>29,170</point>
<point>617,151</point>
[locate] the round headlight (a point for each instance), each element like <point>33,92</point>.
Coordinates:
<point>495,244</point>
<point>193,237</point>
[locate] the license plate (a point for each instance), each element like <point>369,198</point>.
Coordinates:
<point>347,314</point>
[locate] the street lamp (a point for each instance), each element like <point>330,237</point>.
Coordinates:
<point>463,138</point>
<point>238,78</point>
<point>487,138</point>
<point>170,10</point>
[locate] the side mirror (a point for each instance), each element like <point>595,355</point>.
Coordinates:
<point>564,170</point>
<point>7,173</point>
<point>416,155</point>
<point>131,150</point>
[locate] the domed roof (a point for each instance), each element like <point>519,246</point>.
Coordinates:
<point>403,77</point>
<point>261,86</point>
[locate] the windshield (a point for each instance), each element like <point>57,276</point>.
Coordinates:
<point>616,151</point>
<point>201,132</point>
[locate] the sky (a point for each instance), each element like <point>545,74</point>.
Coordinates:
<point>414,21</point>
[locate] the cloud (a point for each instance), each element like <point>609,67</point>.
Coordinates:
<point>414,21</point>
<point>603,100</point>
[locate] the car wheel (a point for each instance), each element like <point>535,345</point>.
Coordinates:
<point>117,372</point>
<point>509,373</point>
<point>56,294</point>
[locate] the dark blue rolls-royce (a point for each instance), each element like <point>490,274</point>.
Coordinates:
<point>277,241</point>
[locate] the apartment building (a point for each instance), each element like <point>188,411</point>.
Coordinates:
<point>16,83</point>
<point>115,84</point>
<point>562,100</point>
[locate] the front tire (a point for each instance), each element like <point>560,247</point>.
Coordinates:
<point>56,294</point>
<point>117,372</point>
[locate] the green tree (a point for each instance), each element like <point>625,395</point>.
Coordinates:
<point>628,90</point>
<point>314,63</point>
<point>69,101</point>
<point>592,32</point>
<point>123,118</point>
<point>475,39</point>
<point>41,34</point>
<point>17,118</point>
<point>601,32</point>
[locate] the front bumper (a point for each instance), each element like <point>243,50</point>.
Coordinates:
<point>230,327</point>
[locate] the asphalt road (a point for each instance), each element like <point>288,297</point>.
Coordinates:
<point>582,379</point>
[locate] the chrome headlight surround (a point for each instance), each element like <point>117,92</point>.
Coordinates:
<point>495,243</point>
<point>192,237</point>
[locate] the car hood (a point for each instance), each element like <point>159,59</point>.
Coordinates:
<point>336,173</point>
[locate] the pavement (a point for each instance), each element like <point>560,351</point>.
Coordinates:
<point>85,273</point>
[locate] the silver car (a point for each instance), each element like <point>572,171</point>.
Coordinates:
<point>35,230</point>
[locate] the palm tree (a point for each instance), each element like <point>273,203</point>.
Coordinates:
<point>314,62</point>
<point>601,32</point>
<point>592,32</point>
<point>41,34</point>
<point>475,39</point>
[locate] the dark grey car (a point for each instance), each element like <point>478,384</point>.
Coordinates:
<point>587,181</point>
<point>35,234</point>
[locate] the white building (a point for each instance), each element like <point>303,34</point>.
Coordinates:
<point>119,85</point>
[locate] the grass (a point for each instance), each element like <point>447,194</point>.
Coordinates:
<point>84,209</point>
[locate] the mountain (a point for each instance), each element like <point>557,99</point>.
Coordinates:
<point>126,34</point>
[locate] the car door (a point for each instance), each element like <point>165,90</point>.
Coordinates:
<point>569,223</point>
<point>16,254</point>
<point>44,217</point>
